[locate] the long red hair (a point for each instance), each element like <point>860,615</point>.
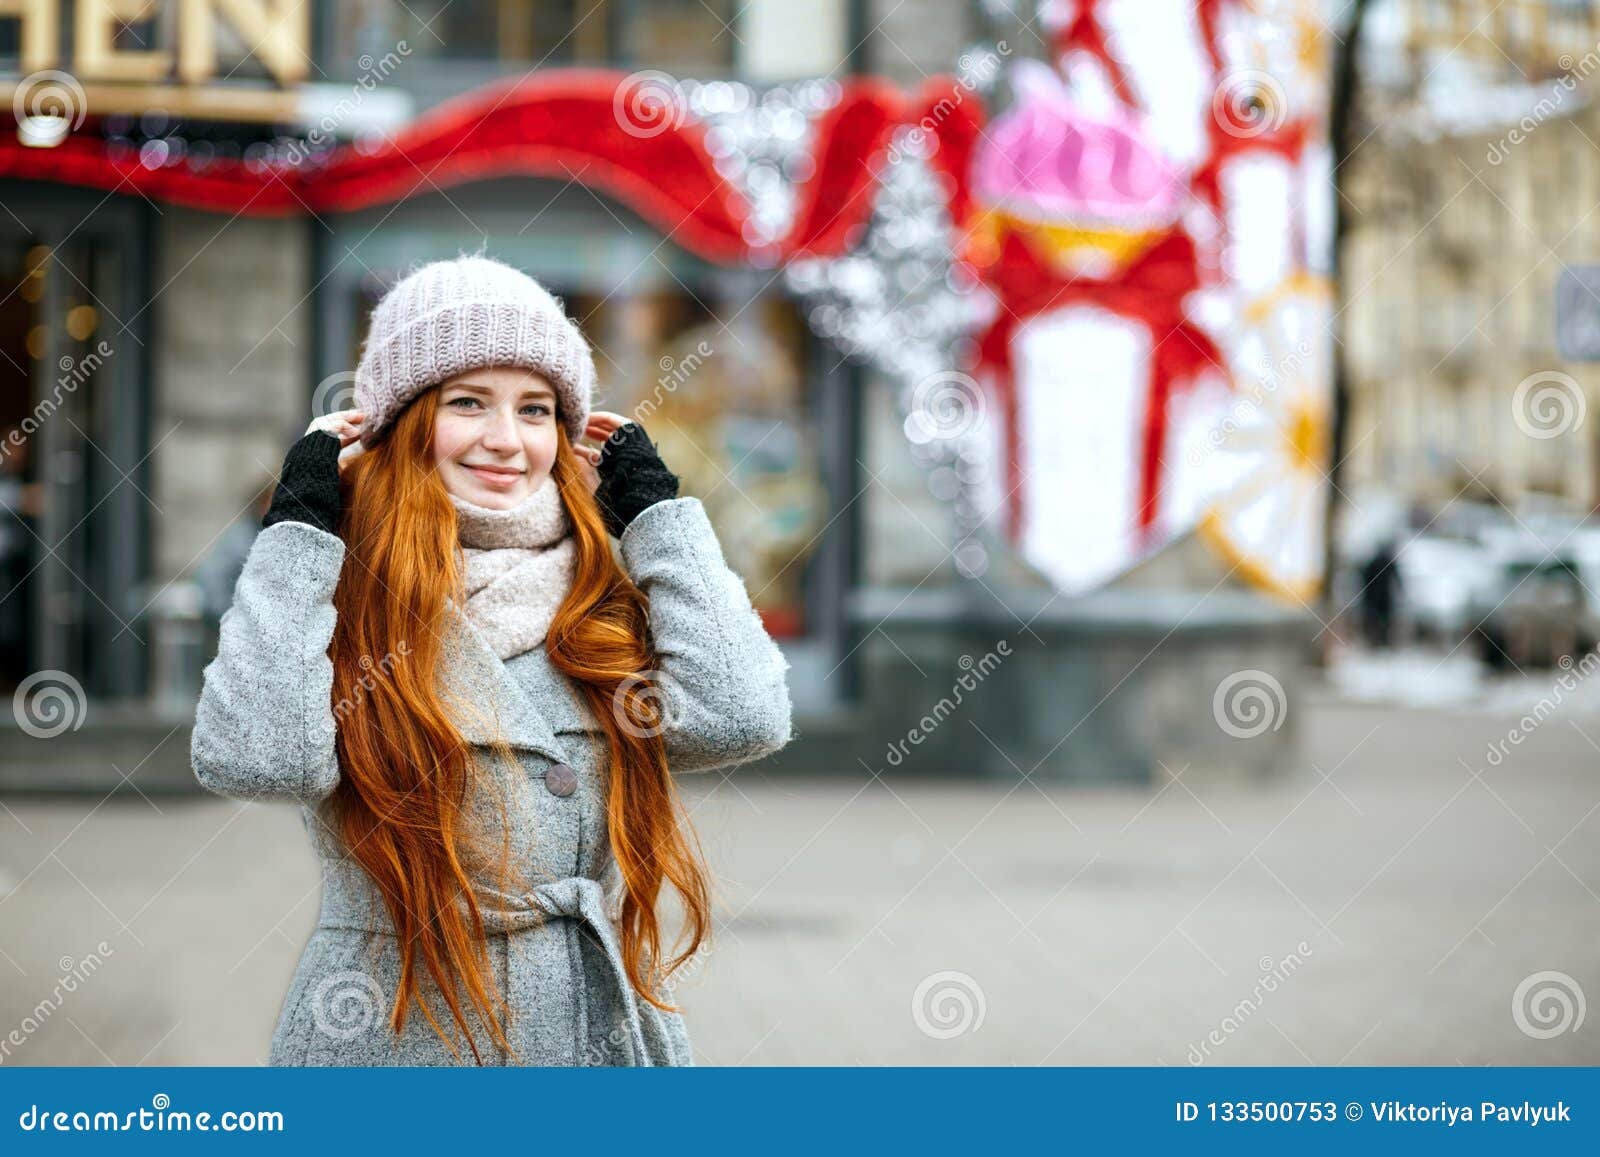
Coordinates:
<point>408,776</point>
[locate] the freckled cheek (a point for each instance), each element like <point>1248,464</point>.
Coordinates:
<point>540,447</point>
<point>450,438</point>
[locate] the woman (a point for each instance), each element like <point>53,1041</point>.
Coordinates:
<point>434,649</point>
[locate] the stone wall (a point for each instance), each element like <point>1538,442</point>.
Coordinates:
<point>230,366</point>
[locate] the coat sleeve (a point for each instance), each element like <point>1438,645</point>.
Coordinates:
<point>264,727</point>
<point>723,678</point>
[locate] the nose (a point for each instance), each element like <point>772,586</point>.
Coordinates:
<point>500,432</point>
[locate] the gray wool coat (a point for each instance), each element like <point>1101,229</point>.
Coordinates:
<point>265,729</point>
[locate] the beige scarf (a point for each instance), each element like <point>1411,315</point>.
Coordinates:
<point>518,568</point>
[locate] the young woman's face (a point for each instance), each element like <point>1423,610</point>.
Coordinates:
<point>494,435</point>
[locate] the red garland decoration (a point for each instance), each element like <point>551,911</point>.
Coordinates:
<point>1288,142</point>
<point>1208,13</point>
<point>562,123</point>
<point>1084,33</point>
<point>567,124</point>
<point>853,139</point>
<point>1150,292</point>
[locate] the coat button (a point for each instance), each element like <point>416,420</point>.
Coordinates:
<point>561,779</point>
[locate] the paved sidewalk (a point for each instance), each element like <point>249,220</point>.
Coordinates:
<point>1379,905</point>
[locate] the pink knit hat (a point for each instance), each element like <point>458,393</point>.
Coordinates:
<point>448,317</point>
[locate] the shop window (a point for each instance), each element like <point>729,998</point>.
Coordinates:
<point>731,408</point>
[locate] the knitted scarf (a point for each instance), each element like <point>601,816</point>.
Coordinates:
<point>518,567</point>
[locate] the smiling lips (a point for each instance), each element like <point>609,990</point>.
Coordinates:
<point>501,476</point>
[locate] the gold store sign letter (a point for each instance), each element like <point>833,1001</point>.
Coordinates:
<point>277,32</point>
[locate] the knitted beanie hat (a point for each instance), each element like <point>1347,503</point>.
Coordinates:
<point>448,317</point>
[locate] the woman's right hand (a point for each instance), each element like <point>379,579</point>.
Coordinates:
<point>308,486</point>
<point>344,425</point>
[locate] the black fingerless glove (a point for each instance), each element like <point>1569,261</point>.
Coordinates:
<point>632,477</point>
<point>308,487</point>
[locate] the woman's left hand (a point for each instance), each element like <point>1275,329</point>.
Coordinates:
<point>628,473</point>
<point>602,424</point>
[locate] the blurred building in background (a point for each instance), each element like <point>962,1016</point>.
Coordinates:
<point>1474,191</point>
<point>1469,323</point>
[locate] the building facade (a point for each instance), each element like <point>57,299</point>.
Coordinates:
<point>1470,194</point>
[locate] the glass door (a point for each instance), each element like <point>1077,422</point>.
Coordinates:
<point>70,496</point>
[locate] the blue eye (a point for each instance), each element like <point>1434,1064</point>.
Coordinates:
<point>463,398</point>
<point>539,406</point>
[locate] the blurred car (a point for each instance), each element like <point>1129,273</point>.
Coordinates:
<point>1441,581</point>
<point>1538,609</point>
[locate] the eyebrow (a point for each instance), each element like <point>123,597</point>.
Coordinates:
<point>530,392</point>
